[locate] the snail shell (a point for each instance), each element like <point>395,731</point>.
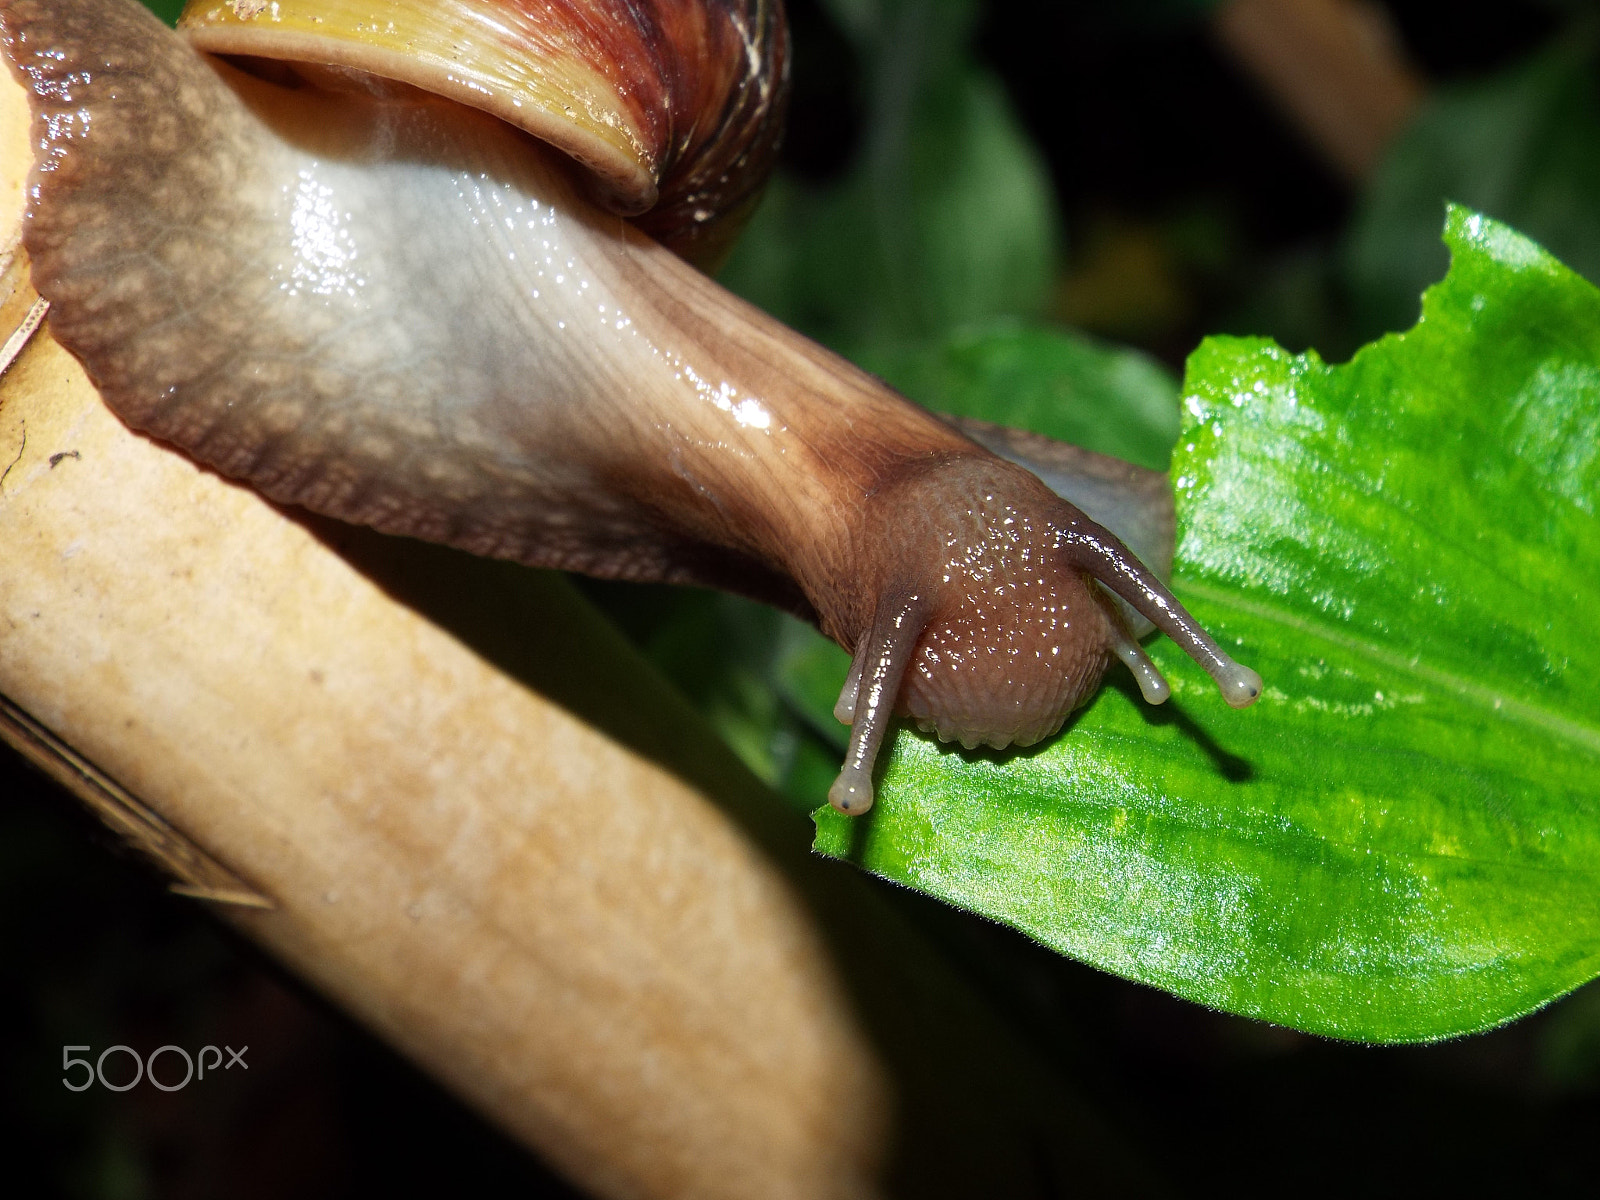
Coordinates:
<point>675,107</point>
<point>376,303</point>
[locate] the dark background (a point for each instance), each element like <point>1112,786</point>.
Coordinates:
<point>1161,152</point>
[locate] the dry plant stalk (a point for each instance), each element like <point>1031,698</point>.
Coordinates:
<point>561,931</point>
<point>1333,66</point>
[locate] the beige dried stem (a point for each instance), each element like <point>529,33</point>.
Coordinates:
<point>1336,69</point>
<point>560,930</point>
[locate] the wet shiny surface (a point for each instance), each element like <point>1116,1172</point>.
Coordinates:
<point>438,341</point>
<point>680,100</point>
<point>1017,641</point>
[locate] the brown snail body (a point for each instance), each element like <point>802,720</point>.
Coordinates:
<point>373,302</point>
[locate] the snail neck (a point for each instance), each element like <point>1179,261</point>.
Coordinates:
<point>403,313</point>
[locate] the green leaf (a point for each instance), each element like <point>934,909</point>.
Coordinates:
<point>1401,841</point>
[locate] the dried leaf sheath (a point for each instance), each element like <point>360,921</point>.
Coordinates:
<point>561,932</point>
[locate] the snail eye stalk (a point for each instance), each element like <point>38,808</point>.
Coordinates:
<point>1096,550</point>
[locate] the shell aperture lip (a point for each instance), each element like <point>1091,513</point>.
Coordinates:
<point>675,108</point>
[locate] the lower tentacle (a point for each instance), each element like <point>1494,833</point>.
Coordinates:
<point>870,694</point>
<point>1152,684</point>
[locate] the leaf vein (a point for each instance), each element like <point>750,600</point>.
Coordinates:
<point>1522,711</point>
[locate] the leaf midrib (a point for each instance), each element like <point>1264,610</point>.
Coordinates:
<point>1564,728</point>
<point>1212,821</point>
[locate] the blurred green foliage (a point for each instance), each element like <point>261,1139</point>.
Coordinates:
<point>167,10</point>
<point>1055,381</point>
<point>872,259</point>
<point>1523,146</point>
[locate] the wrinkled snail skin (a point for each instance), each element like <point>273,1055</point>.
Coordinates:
<point>400,312</point>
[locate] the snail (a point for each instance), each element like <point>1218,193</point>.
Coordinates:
<point>382,266</point>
